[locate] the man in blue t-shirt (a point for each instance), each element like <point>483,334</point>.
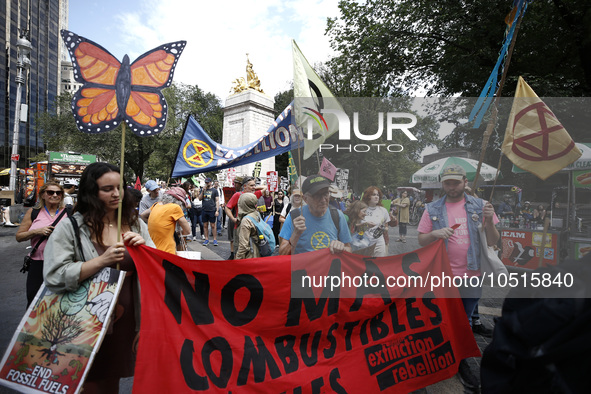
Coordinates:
<point>313,227</point>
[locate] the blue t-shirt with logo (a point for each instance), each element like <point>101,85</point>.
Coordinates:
<point>320,231</point>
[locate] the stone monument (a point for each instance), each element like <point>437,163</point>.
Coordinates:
<point>248,114</point>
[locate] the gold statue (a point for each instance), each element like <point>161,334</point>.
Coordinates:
<point>252,80</point>
<point>240,85</point>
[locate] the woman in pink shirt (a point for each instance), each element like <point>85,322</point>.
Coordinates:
<point>37,224</point>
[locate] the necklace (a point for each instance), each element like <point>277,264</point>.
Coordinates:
<point>49,213</point>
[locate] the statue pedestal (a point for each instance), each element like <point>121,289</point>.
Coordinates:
<point>247,116</point>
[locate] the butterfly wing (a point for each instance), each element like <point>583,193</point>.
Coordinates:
<point>146,108</point>
<point>94,105</point>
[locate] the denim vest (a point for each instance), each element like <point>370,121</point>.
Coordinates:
<point>474,206</point>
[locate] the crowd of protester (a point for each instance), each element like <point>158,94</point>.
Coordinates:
<point>167,217</point>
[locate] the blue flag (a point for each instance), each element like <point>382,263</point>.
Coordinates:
<point>491,86</point>
<point>199,153</point>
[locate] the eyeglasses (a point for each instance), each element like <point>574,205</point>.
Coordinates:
<point>52,192</point>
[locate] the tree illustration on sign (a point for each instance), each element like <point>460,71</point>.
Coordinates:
<point>59,329</point>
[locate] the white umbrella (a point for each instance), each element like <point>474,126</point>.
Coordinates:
<point>431,172</point>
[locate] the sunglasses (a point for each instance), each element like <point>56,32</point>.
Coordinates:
<point>52,192</point>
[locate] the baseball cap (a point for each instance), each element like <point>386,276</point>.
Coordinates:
<point>247,179</point>
<point>454,172</point>
<point>207,180</point>
<point>70,183</point>
<point>315,183</point>
<point>238,179</point>
<point>151,185</point>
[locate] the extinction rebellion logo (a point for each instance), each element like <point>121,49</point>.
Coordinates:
<point>394,122</point>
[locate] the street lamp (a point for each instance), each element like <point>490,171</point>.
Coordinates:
<point>23,47</point>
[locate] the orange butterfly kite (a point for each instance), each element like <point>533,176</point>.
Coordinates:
<point>113,91</point>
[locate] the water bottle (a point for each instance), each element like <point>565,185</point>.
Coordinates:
<point>264,247</point>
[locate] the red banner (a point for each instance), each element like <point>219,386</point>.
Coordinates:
<point>253,326</point>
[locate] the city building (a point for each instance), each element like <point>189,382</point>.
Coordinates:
<point>39,22</point>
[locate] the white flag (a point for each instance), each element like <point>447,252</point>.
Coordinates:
<point>312,96</point>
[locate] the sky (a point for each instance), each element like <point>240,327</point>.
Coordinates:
<point>218,35</point>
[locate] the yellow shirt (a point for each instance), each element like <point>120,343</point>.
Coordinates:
<point>161,225</point>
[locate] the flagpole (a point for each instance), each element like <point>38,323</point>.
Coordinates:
<point>318,160</point>
<point>495,110</point>
<point>299,166</point>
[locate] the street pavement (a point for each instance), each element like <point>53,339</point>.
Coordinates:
<point>13,297</point>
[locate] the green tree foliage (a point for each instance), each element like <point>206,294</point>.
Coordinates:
<point>450,47</point>
<point>282,100</point>
<point>389,162</point>
<point>381,168</point>
<point>146,157</point>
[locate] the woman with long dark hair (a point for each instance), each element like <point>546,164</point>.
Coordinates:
<point>65,267</point>
<point>278,205</point>
<point>37,226</point>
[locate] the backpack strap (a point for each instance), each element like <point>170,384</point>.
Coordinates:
<point>34,213</point>
<point>336,219</point>
<point>77,232</point>
<point>55,222</point>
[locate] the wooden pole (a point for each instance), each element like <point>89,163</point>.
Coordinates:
<point>544,237</point>
<point>495,110</point>
<point>121,191</point>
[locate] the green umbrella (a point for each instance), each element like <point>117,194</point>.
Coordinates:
<point>431,172</point>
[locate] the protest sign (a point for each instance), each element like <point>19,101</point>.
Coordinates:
<point>342,179</point>
<point>272,181</point>
<point>55,344</point>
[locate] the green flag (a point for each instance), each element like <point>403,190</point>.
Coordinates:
<point>292,172</point>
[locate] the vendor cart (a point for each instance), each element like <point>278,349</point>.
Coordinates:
<point>570,220</point>
<point>522,247</point>
<point>67,167</point>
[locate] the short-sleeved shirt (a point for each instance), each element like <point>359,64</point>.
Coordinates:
<point>286,208</point>
<point>147,201</point>
<point>161,225</point>
<point>504,207</point>
<point>232,205</point>
<point>376,216</point>
<point>209,196</point>
<point>459,243</point>
<point>320,231</point>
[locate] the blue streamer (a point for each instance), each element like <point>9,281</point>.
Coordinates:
<point>488,92</point>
